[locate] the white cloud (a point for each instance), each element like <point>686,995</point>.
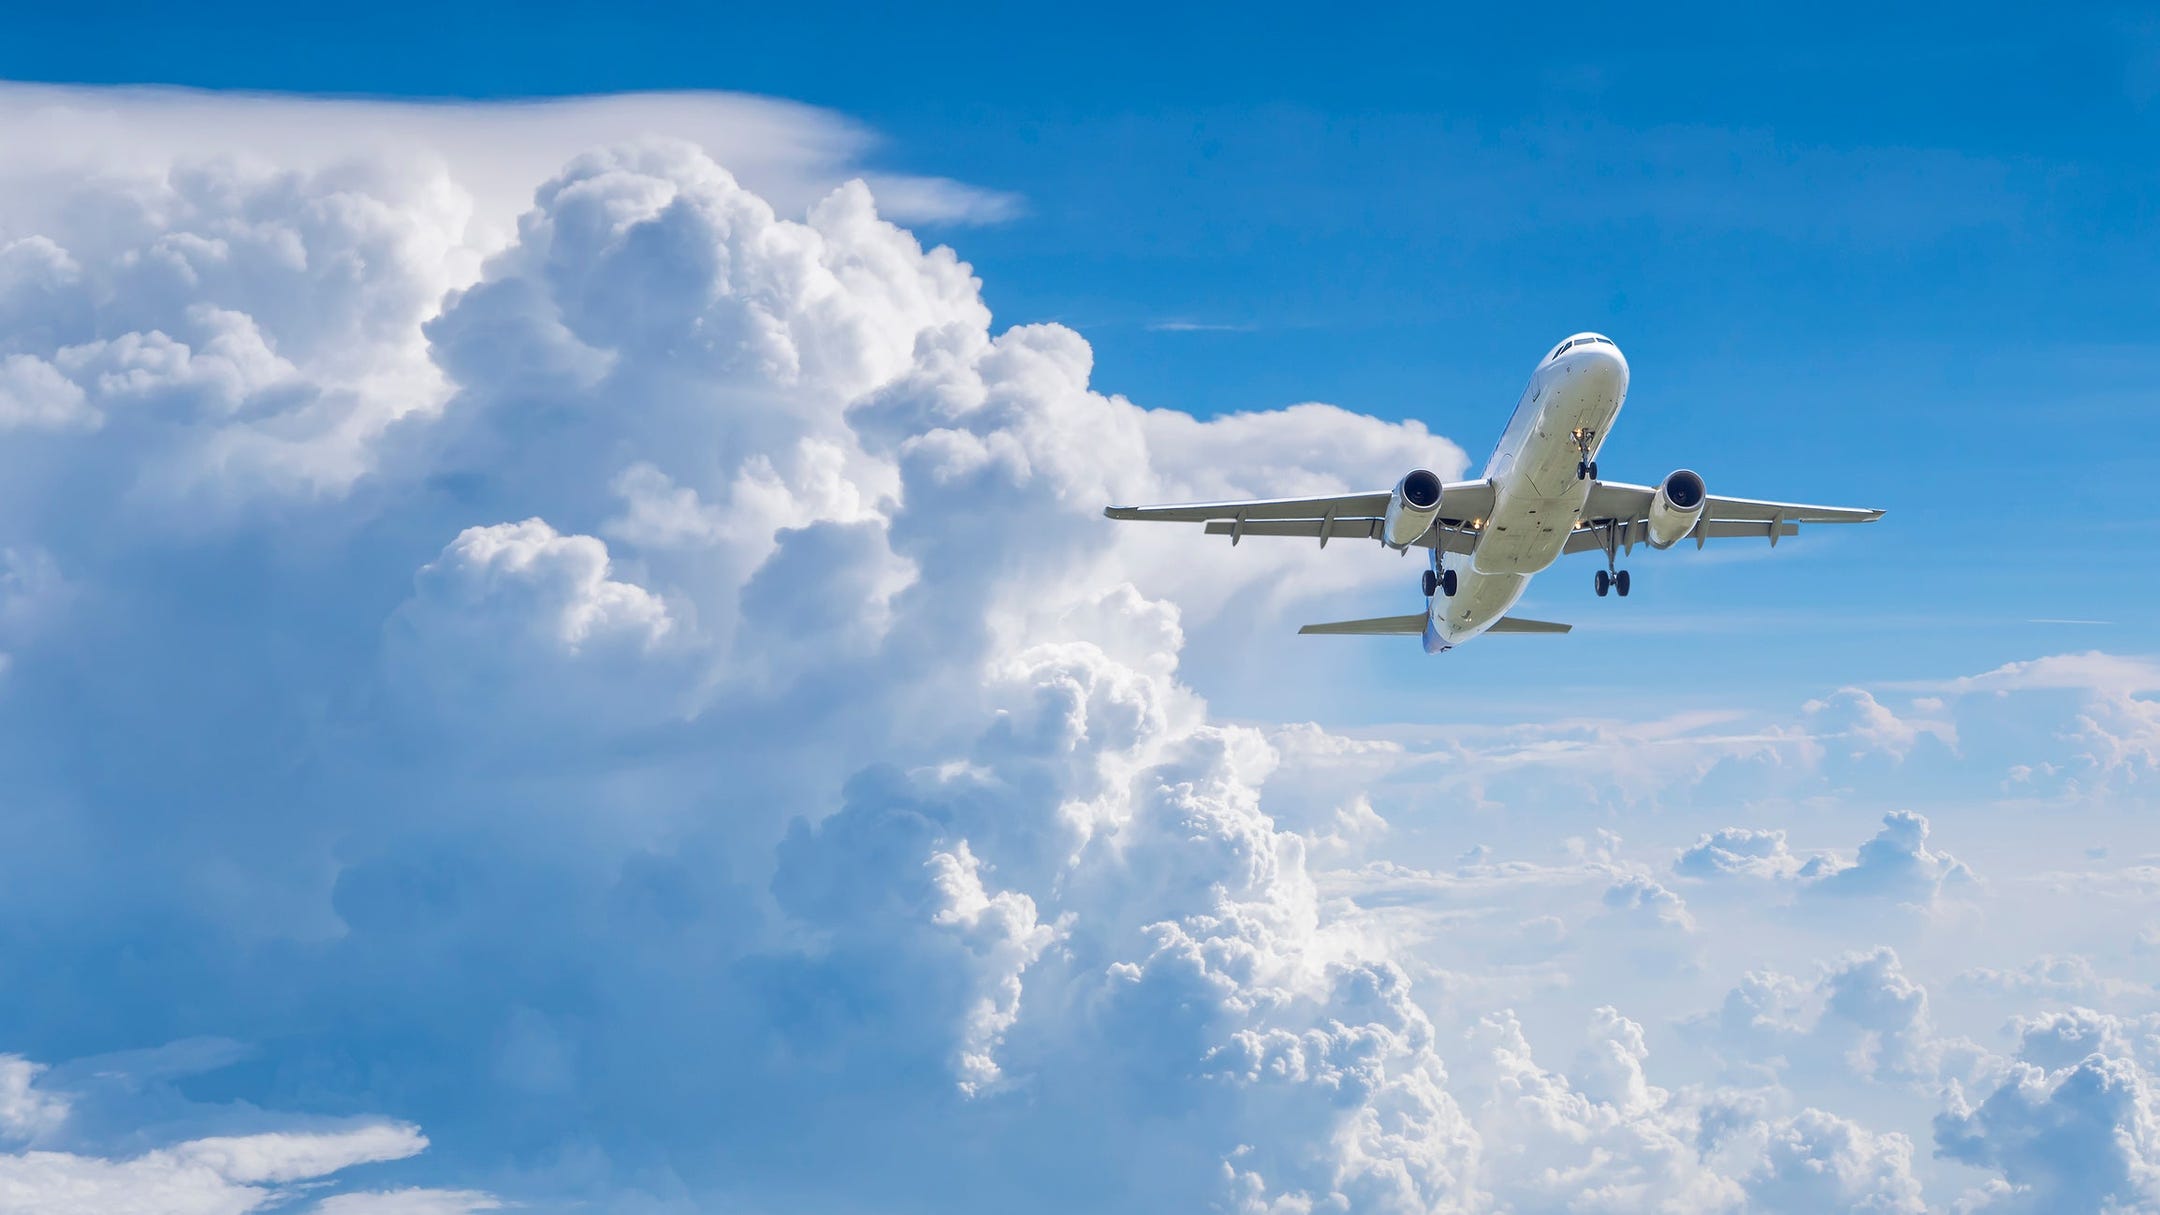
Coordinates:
<point>1896,864</point>
<point>1862,1013</point>
<point>1002,931</point>
<point>2084,1137</point>
<point>1608,1139</point>
<point>1642,897</point>
<point>27,1112</point>
<point>1740,851</point>
<point>681,653</point>
<point>526,578</point>
<point>229,1175</point>
<point>34,395</point>
<point>1816,1161</point>
<point>1854,716</point>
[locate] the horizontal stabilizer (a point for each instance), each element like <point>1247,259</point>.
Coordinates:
<point>1516,624</point>
<point>1414,626</point>
<point>1378,626</point>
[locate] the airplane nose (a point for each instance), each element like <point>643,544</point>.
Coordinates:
<point>1601,364</point>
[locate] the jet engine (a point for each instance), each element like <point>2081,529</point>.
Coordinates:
<point>1415,504</point>
<point>1675,507</point>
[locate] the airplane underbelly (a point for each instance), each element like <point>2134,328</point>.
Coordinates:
<point>1539,499</point>
<point>1478,601</point>
<point>1527,530</point>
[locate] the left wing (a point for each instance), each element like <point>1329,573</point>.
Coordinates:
<point>1618,501</point>
<point>1463,505</point>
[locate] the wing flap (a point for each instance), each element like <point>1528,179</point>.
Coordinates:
<point>1592,539</point>
<point>1340,505</point>
<point>1446,539</point>
<point>1460,502</point>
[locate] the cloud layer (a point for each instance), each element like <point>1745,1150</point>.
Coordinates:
<point>647,695</point>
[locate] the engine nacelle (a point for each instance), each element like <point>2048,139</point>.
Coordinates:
<point>1675,508</point>
<point>1410,512</point>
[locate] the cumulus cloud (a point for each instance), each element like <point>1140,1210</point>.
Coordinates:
<point>1742,852</point>
<point>1606,1138</point>
<point>1869,726</point>
<point>1861,1013</point>
<point>586,648</point>
<point>2083,1137</point>
<point>1895,864</point>
<point>1642,897</point>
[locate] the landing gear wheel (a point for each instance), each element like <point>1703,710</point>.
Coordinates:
<point>1585,467</point>
<point>1432,583</point>
<point>1603,583</point>
<point>1620,583</point>
<point>1447,583</point>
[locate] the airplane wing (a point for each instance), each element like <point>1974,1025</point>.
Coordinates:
<point>1463,506</point>
<point>1617,500</point>
<point>1616,513</point>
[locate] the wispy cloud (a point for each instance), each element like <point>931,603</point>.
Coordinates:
<point>1183,326</point>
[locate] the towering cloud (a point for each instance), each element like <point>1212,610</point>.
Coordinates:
<point>646,693</point>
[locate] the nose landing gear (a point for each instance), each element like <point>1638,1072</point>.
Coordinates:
<point>1585,468</point>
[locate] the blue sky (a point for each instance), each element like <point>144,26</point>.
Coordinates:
<point>534,678</point>
<point>1854,255</point>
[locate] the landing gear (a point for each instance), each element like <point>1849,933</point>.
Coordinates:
<point>1438,580</point>
<point>1585,468</point>
<point>1610,579</point>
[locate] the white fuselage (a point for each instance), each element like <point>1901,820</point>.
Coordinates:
<point>1538,494</point>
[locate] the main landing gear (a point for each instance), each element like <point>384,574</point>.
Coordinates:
<point>1610,579</point>
<point>1585,468</point>
<point>1437,579</point>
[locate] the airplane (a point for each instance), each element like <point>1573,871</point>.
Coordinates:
<point>1539,499</point>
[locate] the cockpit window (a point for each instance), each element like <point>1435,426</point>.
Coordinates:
<point>1571,343</point>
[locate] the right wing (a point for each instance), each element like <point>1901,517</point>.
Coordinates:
<point>1463,507</point>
